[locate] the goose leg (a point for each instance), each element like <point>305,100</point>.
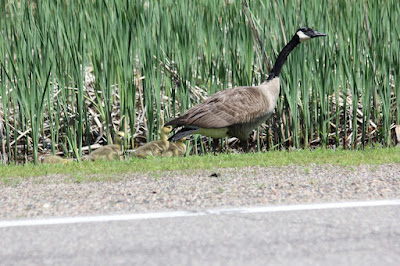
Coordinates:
<point>245,146</point>
<point>215,144</point>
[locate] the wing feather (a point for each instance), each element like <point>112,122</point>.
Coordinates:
<point>226,108</point>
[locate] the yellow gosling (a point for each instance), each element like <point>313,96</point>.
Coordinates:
<point>52,159</point>
<point>176,149</point>
<point>155,148</point>
<point>110,151</point>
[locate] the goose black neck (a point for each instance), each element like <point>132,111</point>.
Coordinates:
<point>276,70</point>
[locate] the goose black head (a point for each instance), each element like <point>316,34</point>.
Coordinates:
<point>306,34</point>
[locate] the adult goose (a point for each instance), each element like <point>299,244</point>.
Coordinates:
<point>237,111</point>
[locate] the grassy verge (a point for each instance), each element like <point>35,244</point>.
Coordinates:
<point>267,159</point>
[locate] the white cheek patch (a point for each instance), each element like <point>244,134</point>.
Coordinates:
<point>302,36</point>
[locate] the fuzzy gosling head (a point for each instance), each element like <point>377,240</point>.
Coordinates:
<point>167,129</point>
<point>119,137</point>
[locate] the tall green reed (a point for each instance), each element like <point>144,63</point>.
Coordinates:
<point>155,59</point>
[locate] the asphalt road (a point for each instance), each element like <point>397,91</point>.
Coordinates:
<point>349,236</point>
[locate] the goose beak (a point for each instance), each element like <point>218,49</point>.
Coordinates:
<point>318,34</point>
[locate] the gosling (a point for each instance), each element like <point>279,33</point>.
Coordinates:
<point>53,159</point>
<point>176,149</point>
<point>110,151</point>
<point>155,148</point>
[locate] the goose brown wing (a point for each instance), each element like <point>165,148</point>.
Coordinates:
<point>225,108</point>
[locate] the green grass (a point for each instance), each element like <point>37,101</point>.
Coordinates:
<point>102,169</point>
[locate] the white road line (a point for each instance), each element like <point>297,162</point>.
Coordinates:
<point>175,214</point>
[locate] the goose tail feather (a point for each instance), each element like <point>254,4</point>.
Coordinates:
<point>183,133</point>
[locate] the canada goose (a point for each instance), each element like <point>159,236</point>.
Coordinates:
<point>155,148</point>
<point>110,151</point>
<point>236,112</point>
<point>51,159</point>
<point>176,149</point>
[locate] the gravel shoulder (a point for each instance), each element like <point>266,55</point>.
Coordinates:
<point>63,195</point>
